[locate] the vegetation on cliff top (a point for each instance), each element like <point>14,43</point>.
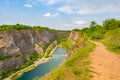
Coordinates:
<point>108,33</point>
<point>20,26</point>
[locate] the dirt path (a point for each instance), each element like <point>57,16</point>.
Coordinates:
<point>105,64</point>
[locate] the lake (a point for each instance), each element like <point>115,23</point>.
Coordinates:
<point>44,68</point>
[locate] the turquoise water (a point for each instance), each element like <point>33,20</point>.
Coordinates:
<point>46,67</point>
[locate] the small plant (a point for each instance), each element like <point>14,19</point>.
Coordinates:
<point>17,55</point>
<point>5,57</point>
<point>36,78</point>
<point>117,46</point>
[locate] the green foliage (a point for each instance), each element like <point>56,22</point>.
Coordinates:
<point>80,53</point>
<point>95,31</point>
<point>6,74</point>
<point>5,57</point>
<point>96,36</point>
<point>46,46</point>
<point>9,56</point>
<point>79,71</point>
<point>61,37</point>
<point>33,57</point>
<point>67,45</point>
<point>19,27</point>
<point>110,24</point>
<point>116,46</point>
<point>36,78</point>
<point>93,24</point>
<point>109,32</point>
<point>13,27</point>
<point>2,57</point>
<point>112,40</point>
<point>76,30</point>
<point>17,55</point>
<point>47,56</point>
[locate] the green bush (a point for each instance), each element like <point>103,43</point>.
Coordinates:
<point>17,55</point>
<point>33,57</point>
<point>117,46</point>
<point>112,40</point>
<point>67,45</point>
<point>5,57</point>
<point>2,57</point>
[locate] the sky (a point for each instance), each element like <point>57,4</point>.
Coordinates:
<point>58,14</point>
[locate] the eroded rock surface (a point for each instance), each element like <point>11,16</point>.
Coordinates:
<point>23,42</point>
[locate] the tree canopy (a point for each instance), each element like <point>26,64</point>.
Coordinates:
<point>20,26</point>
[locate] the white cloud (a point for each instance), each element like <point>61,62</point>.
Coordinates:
<point>66,9</point>
<point>101,9</point>
<point>47,14</point>
<point>51,15</point>
<point>56,14</point>
<point>8,2</point>
<point>89,7</point>
<point>28,5</point>
<point>78,23</point>
<point>52,1</point>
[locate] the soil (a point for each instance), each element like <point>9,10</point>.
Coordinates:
<point>105,65</point>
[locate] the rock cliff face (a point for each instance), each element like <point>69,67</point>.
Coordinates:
<point>16,44</point>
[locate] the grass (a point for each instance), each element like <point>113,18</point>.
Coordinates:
<point>112,47</point>
<point>112,40</point>
<point>67,45</point>
<point>74,68</point>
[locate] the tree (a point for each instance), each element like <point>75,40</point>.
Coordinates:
<point>93,24</point>
<point>110,24</point>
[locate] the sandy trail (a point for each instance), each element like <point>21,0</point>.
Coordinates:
<point>105,65</point>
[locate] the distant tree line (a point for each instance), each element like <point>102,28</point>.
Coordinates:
<point>96,31</point>
<point>20,26</point>
<point>108,33</point>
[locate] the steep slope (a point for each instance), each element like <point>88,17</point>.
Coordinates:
<point>76,65</point>
<point>112,40</point>
<point>16,46</point>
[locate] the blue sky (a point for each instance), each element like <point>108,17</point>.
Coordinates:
<point>58,14</point>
